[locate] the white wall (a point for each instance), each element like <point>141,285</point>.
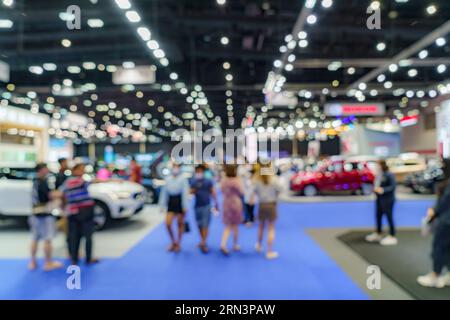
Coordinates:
<point>417,139</point>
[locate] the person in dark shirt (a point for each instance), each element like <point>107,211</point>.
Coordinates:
<point>80,211</point>
<point>42,222</point>
<point>440,217</point>
<point>61,175</point>
<point>385,193</point>
<point>203,189</point>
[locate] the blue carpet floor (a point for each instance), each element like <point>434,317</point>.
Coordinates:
<point>303,271</point>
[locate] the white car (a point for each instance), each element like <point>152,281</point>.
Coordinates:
<point>113,199</point>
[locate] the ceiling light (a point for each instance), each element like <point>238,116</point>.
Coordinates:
<point>95,23</point>
<point>67,82</point>
<point>133,16</point>
<point>144,33</point>
<point>311,19</point>
<point>431,10</point>
<point>229,77</point>
<point>289,67</point>
<point>283,49</point>
<point>441,68</point>
<point>351,70</point>
<point>277,63</point>
<point>221,2</point>
<point>73,69</point>
<point>164,62</point>
<point>153,45</point>
<point>288,38</point>
<point>393,67</point>
<point>224,40</point>
<point>66,43</point>
<point>327,3</point>
<point>173,76</point>
<point>310,4</point>
<point>8,3</point>
<point>302,35</point>
<point>36,69</point>
<point>66,16</point>
<point>375,5</point>
<point>6,24</point>
<point>303,43</point>
<point>362,86</point>
<point>423,54</point>
<point>128,64</point>
<point>291,58</point>
<point>388,84</point>
<point>412,73</point>
<point>440,42</point>
<point>158,53</point>
<point>123,4</point>
<point>89,65</point>
<point>226,65</point>
<point>49,66</point>
<point>381,46</point>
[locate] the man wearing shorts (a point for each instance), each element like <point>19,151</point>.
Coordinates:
<point>42,222</point>
<point>203,189</point>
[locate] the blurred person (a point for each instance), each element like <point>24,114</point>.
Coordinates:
<point>135,171</point>
<point>80,210</point>
<point>232,208</point>
<point>267,190</point>
<point>249,197</point>
<point>174,199</point>
<point>61,176</point>
<point>385,193</point>
<point>42,222</point>
<point>440,217</point>
<point>203,189</point>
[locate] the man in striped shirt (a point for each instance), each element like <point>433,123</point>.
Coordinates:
<point>80,211</point>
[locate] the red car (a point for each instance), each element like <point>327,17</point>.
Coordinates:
<point>334,176</point>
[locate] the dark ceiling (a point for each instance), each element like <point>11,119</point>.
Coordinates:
<point>189,31</point>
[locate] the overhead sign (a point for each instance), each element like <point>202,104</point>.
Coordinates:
<point>355,109</point>
<point>136,75</point>
<point>4,71</point>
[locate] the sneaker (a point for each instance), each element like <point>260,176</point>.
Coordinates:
<point>272,255</point>
<point>446,279</point>
<point>53,265</point>
<point>389,241</point>
<point>258,247</point>
<point>374,237</point>
<point>431,280</point>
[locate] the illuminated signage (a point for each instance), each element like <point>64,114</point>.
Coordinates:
<point>355,109</point>
<point>136,75</point>
<point>409,121</point>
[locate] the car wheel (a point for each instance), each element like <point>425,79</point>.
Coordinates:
<point>101,215</point>
<point>310,191</point>
<point>366,189</point>
<point>149,195</point>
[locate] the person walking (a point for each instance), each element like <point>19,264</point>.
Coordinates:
<point>42,222</point>
<point>249,197</point>
<point>385,202</point>
<point>135,171</point>
<point>203,189</point>
<point>232,208</point>
<point>267,190</point>
<point>80,210</point>
<point>62,175</point>
<point>440,217</point>
<point>174,199</point>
